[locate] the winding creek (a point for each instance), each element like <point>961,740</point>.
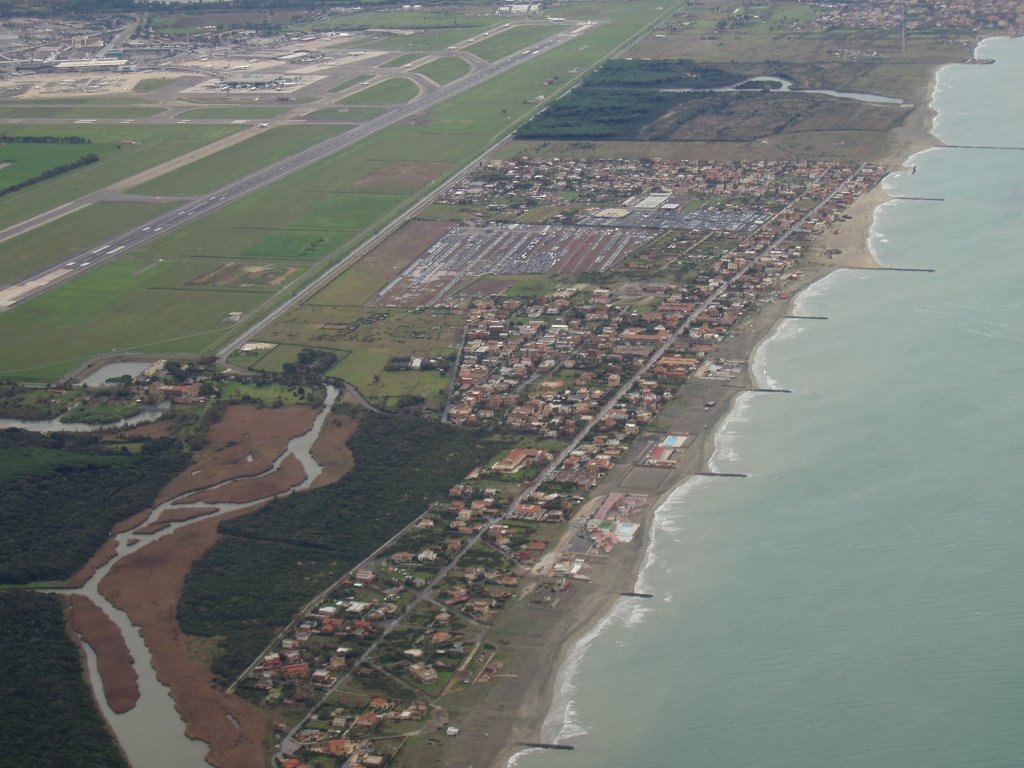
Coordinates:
<point>46,426</point>
<point>152,734</point>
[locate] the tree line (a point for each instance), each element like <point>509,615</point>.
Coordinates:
<point>47,715</point>
<point>50,173</point>
<point>5,139</point>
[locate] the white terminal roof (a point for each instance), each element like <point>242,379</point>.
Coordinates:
<point>91,63</point>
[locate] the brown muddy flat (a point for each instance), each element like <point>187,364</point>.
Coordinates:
<point>147,586</point>
<point>245,442</point>
<point>120,682</point>
<point>288,475</point>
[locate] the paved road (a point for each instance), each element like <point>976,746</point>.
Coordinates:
<point>32,286</point>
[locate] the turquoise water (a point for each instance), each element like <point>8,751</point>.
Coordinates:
<point>859,599</point>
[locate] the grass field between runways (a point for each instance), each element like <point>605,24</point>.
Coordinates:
<point>124,150</point>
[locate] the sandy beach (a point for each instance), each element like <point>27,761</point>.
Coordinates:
<point>513,711</point>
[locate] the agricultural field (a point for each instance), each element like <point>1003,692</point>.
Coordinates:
<point>397,90</point>
<point>444,70</point>
<point>61,239</point>
<point>124,150</point>
<point>236,161</point>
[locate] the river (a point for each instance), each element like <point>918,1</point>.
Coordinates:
<point>152,733</point>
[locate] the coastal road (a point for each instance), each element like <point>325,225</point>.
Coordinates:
<point>67,270</point>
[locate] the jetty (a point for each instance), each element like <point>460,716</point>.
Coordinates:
<point>926,199</point>
<point>804,317</point>
<point>720,474</point>
<point>541,745</point>
<point>636,594</point>
<point>979,146</point>
<point>773,391</point>
<point>893,269</point>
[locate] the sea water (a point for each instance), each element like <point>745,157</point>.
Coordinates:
<point>859,599</point>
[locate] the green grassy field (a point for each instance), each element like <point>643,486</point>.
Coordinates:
<point>498,46</point>
<point>437,29</point>
<point>444,70</point>
<point>84,112</point>
<point>410,19</point>
<point>231,113</point>
<point>352,81</point>
<point>344,114</point>
<point>150,84</point>
<point>394,91</point>
<point>268,394</point>
<point>378,335</point>
<point>111,99</point>
<point>45,246</point>
<point>27,161</point>
<point>124,150</point>
<point>232,163</point>
<point>401,61</point>
<point>429,40</point>
<point>130,304</point>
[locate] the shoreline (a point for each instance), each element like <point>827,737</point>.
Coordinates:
<point>852,239</point>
